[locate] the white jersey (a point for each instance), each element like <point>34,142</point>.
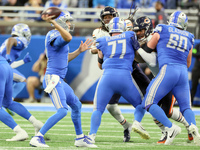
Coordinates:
<point>155,69</point>
<point>97,33</point>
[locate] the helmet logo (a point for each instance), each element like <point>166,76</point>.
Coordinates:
<point>146,20</point>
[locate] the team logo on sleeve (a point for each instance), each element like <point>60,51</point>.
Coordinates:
<point>158,28</point>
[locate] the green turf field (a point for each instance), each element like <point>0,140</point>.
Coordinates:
<point>110,134</point>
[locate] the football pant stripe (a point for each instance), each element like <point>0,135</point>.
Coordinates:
<point>153,89</point>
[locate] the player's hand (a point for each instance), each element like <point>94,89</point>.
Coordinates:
<point>48,18</point>
<point>27,58</point>
<point>85,46</point>
<point>8,58</point>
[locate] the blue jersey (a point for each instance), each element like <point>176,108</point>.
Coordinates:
<point>57,54</point>
<point>174,45</point>
<point>16,51</point>
<point>2,59</point>
<point>119,50</point>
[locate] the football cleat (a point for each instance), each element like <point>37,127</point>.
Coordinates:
<point>91,138</point>
<point>190,137</point>
<point>127,134</point>
<point>84,142</point>
<point>20,136</point>
<point>171,133</point>
<point>38,141</point>
<point>137,127</point>
<point>195,134</point>
<point>37,125</point>
<point>163,138</point>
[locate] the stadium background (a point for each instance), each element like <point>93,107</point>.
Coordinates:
<point>75,66</point>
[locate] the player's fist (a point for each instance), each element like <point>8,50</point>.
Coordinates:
<point>8,58</point>
<point>27,58</point>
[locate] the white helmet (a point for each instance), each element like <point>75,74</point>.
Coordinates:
<point>62,18</point>
<point>129,25</point>
<point>117,25</point>
<point>179,20</point>
<point>21,30</point>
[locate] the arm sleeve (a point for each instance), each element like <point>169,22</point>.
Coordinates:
<point>59,41</point>
<point>149,58</point>
<point>16,64</point>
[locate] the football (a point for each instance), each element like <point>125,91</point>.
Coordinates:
<point>52,11</point>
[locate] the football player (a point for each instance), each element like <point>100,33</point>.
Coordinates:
<point>61,94</point>
<point>116,54</point>
<point>11,50</point>
<point>143,28</point>
<point>141,79</point>
<point>174,52</point>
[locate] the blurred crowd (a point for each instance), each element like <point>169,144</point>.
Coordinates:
<point>158,5</point>
<point>120,4</point>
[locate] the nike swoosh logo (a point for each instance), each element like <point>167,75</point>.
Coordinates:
<point>171,134</point>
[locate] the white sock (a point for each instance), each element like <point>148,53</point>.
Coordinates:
<point>115,112</point>
<point>159,124</point>
<point>39,134</point>
<point>80,136</point>
<point>32,119</point>
<point>177,116</point>
<point>17,129</point>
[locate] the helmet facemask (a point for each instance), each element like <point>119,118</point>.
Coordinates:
<point>108,11</point>
<point>63,18</point>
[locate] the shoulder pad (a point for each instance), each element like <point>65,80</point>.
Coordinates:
<point>97,33</point>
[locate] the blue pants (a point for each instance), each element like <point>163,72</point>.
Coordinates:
<point>121,83</point>
<point>61,96</point>
<point>109,84</point>
<point>6,82</point>
<point>170,78</point>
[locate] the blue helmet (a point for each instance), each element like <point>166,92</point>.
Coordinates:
<point>117,25</point>
<point>143,23</point>
<point>22,30</point>
<point>62,18</point>
<point>179,20</point>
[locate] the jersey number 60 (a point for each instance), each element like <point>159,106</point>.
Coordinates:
<point>177,42</point>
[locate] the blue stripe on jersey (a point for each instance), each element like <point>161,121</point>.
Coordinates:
<point>176,14</point>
